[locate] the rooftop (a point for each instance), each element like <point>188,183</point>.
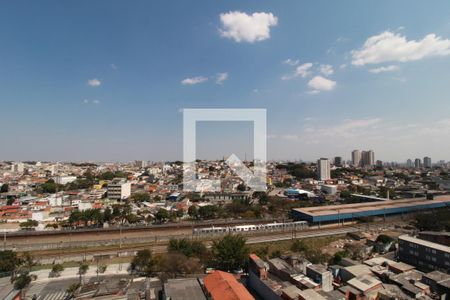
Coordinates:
<point>364,283</point>
<point>378,205</point>
<point>186,288</point>
<point>425,243</point>
<point>224,286</point>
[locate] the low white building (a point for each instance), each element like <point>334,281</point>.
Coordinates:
<point>329,189</point>
<point>64,179</point>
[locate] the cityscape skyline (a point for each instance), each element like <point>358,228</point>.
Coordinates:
<point>112,87</point>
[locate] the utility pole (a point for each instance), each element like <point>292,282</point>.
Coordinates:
<point>120,234</point>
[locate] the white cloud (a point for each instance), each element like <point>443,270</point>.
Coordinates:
<point>319,84</point>
<point>389,46</point>
<point>87,101</point>
<point>113,66</point>
<point>291,62</point>
<point>242,27</point>
<point>390,68</point>
<point>194,80</point>
<point>94,82</point>
<point>346,129</point>
<point>343,66</point>
<point>221,77</point>
<point>326,70</point>
<point>303,70</point>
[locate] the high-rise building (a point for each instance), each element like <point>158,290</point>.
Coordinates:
<point>379,163</point>
<point>142,164</point>
<point>368,158</point>
<point>356,158</point>
<point>338,161</point>
<point>427,162</point>
<point>417,163</point>
<point>409,163</point>
<point>18,167</point>
<point>323,169</point>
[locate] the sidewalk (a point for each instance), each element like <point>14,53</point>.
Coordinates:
<point>114,269</point>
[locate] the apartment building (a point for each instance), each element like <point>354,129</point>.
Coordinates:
<point>425,255</point>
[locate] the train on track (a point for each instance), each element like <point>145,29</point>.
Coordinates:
<point>298,225</point>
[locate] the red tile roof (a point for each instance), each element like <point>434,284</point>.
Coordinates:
<point>224,286</point>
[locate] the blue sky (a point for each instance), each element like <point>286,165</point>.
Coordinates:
<point>106,80</point>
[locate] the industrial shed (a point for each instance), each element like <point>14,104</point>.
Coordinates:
<point>340,213</point>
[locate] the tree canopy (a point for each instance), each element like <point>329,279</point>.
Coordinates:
<point>230,253</point>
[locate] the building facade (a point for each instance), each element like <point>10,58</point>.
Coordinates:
<point>424,255</point>
<point>427,162</point>
<point>323,169</point>
<point>356,158</point>
<point>119,189</point>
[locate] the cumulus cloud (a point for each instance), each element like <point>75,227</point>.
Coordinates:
<point>390,68</point>
<point>319,84</point>
<point>242,27</point>
<point>393,47</point>
<point>94,82</point>
<point>326,70</point>
<point>194,80</point>
<point>291,62</point>
<point>221,77</point>
<point>303,71</point>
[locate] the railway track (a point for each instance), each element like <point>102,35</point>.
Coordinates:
<point>48,257</point>
<point>127,229</point>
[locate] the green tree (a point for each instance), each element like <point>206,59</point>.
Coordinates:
<point>28,224</point>
<point>21,276</point>
<point>140,197</point>
<point>299,246</point>
<point>107,215</point>
<point>193,212</point>
<point>263,199</point>
<point>23,280</point>
<point>174,264</point>
<point>162,215</point>
<point>230,253</point>
<point>82,270</point>
<point>9,261</point>
<point>4,188</point>
<point>187,247</point>
<point>241,187</point>
<point>72,289</point>
<point>208,212</point>
<point>56,270</point>
<point>338,256</point>
<point>50,187</point>
<point>143,263</point>
<point>101,268</point>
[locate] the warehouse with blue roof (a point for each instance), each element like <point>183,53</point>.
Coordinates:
<point>345,212</point>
